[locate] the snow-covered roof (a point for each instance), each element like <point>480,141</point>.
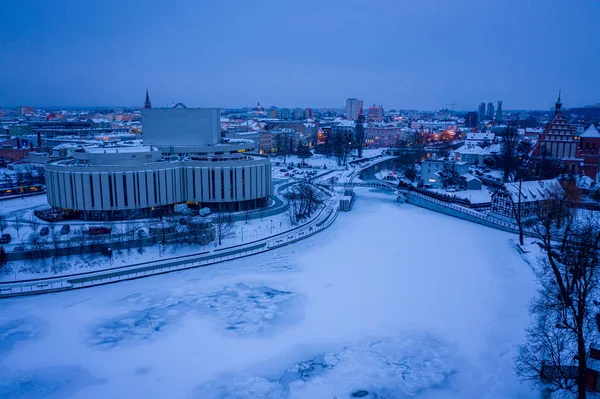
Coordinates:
<point>591,132</point>
<point>585,182</point>
<point>480,136</point>
<point>344,123</point>
<point>114,150</point>
<point>493,149</point>
<point>469,149</point>
<point>469,177</point>
<point>537,190</point>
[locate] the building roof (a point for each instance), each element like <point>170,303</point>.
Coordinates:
<point>114,150</point>
<point>591,132</point>
<point>480,136</point>
<point>537,190</point>
<point>469,149</point>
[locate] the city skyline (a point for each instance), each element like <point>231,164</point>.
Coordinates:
<point>235,54</point>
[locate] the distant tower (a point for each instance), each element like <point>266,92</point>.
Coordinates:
<point>481,115</point>
<point>172,101</point>
<point>558,105</point>
<point>147,104</point>
<point>490,111</point>
<point>499,115</point>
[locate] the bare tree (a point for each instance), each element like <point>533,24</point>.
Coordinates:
<point>37,245</point>
<point>17,224</point>
<point>282,144</point>
<point>293,208</point>
<point>508,151</point>
<point>56,240</point>
<point>310,196</point>
<point>34,222</point>
<point>224,226</point>
<point>555,355</point>
<point>359,134</point>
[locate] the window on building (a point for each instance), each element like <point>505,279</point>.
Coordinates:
<point>214,196</point>
<point>194,182</point>
<point>92,191</point>
<point>222,184</point>
<point>243,183</point>
<point>110,190</point>
<point>155,185</point>
<point>125,191</point>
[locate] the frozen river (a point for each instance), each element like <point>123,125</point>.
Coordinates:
<point>391,301</point>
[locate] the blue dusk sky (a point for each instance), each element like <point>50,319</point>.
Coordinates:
<point>418,54</point>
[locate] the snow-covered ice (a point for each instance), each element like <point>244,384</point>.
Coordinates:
<point>391,301</point>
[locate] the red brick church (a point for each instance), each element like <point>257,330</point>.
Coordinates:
<point>579,154</point>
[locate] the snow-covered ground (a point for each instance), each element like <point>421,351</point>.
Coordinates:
<point>243,232</point>
<point>8,208</point>
<point>386,301</point>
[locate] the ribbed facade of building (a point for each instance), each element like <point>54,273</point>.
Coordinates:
<point>101,192</point>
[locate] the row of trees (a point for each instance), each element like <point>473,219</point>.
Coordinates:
<point>285,146</point>
<point>304,199</point>
<point>565,319</point>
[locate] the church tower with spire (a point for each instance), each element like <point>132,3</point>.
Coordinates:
<point>559,141</point>
<point>558,105</point>
<point>147,104</point>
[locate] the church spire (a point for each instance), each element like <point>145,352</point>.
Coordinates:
<point>147,103</point>
<point>558,105</point>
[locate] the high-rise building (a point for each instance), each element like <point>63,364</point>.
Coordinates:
<point>481,112</point>
<point>353,107</point>
<point>299,113</point>
<point>490,111</point>
<point>25,110</point>
<point>472,119</point>
<point>309,113</point>
<point>286,113</point>
<point>376,113</point>
<point>272,113</point>
<point>499,116</point>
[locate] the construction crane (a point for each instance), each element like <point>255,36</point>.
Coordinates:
<point>452,104</point>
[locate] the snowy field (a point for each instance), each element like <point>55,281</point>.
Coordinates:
<point>392,301</point>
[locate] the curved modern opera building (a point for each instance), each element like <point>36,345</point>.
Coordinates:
<point>109,183</point>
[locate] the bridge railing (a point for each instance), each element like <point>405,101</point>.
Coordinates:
<point>487,219</point>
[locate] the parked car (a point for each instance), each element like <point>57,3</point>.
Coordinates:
<point>66,229</point>
<point>44,231</point>
<point>283,170</point>
<point>5,238</point>
<point>98,230</point>
<point>451,190</point>
<point>19,249</point>
<point>142,233</point>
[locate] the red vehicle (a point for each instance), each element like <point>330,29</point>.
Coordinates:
<point>98,230</point>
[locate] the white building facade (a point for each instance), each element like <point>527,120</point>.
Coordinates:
<point>353,107</point>
<point>112,183</point>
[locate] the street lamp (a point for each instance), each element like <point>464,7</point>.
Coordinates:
<point>242,234</point>
<point>271,226</point>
